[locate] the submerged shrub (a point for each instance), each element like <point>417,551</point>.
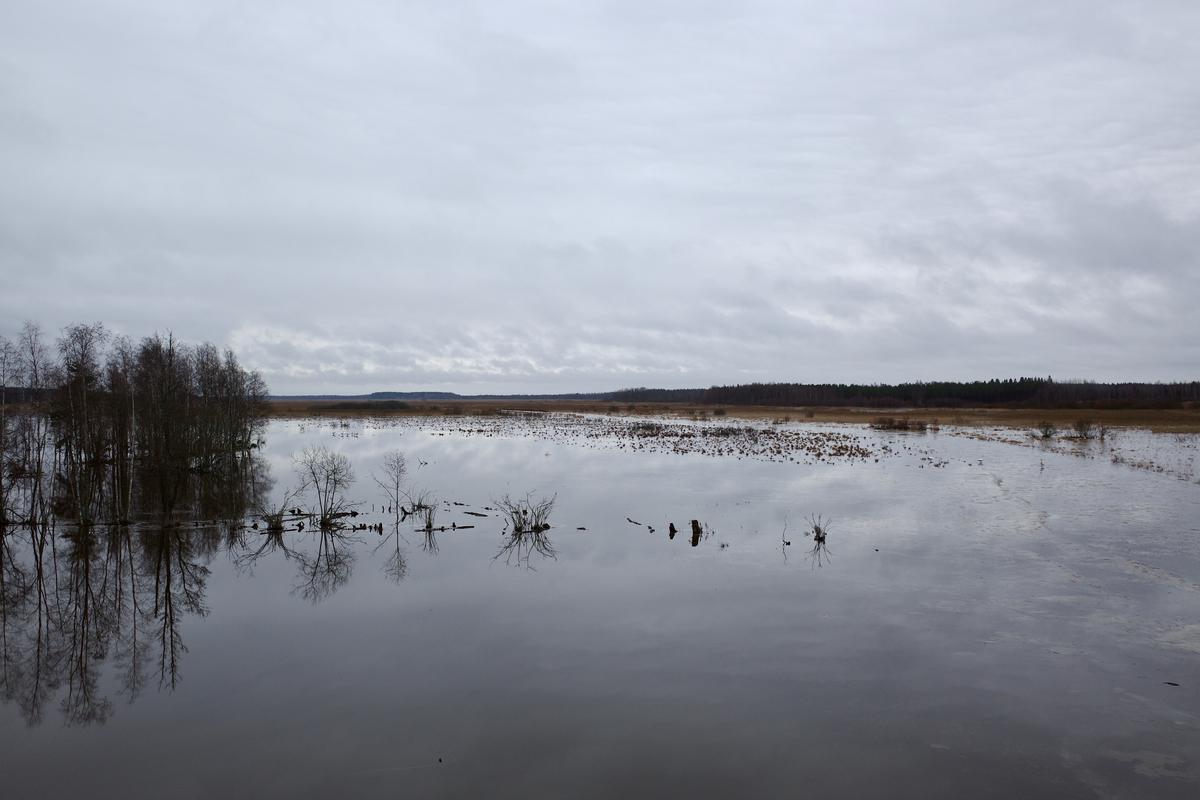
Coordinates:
<point>525,515</point>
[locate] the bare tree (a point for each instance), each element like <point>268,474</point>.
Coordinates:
<point>328,475</point>
<point>395,468</point>
<point>10,369</point>
<point>10,374</point>
<point>83,440</point>
<point>39,372</point>
<point>36,357</point>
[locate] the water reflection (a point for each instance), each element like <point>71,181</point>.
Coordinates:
<point>522,548</point>
<point>177,564</point>
<point>819,554</point>
<point>396,566</point>
<point>95,603</point>
<point>327,567</point>
<point>122,494</point>
<point>447,656</point>
<point>90,613</point>
<point>251,549</point>
<point>73,601</point>
<point>105,563</point>
<point>429,540</point>
<point>526,526</point>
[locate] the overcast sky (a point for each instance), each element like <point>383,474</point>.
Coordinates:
<point>560,196</point>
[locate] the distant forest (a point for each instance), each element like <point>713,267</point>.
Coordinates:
<point>1012,392</point>
<point>1008,392</point>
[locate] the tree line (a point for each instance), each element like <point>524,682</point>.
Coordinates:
<point>78,415</point>
<point>1014,392</point>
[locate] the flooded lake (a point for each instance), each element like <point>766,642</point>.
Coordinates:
<point>986,616</point>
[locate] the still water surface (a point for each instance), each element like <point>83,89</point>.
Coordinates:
<point>985,620</point>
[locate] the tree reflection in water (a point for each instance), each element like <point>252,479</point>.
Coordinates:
<point>328,567</point>
<point>429,540</point>
<point>95,610</point>
<point>820,554</point>
<point>73,601</point>
<point>396,566</point>
<point>324,557</point>
<point>521,546</point>
<point>179,576</point>
<point>124,471</point>
<point>87,597</point>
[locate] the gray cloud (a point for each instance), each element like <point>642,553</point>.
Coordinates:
<point>553,196</point>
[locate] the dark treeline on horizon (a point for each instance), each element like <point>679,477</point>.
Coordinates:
<point>1027,392</point>
<point>1016,392</point>
<point>92,408</point>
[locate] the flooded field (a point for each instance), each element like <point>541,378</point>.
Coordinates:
<point>716,609</point>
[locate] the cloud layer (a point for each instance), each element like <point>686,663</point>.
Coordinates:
<point>547,196</point>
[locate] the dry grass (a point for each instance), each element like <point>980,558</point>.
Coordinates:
<point>1176,420</point>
